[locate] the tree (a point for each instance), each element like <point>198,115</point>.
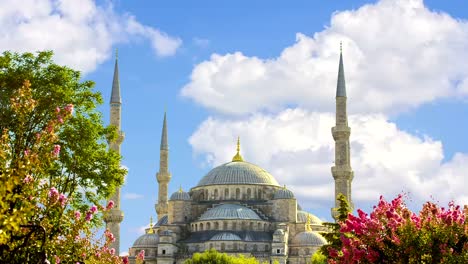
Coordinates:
<point>52,152</point>
<point>85,163</point>
<point>394,234</point>
<point>334,236</point>
<point>212,256</point>
<point>318,258</point>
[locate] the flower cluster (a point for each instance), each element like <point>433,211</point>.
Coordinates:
<point>392,232</point>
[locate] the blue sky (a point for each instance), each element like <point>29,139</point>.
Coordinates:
<point>266,71</point>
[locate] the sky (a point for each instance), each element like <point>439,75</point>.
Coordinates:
<point>266,71</point>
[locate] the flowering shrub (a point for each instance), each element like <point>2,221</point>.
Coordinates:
<point>394,234</point>
<point>37,221</point>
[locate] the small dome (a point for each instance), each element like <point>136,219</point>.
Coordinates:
<point>229,211</point>
<point>147,240</point>
<point>180,196</point>
<point>309,238</point>
<point>283,194</point>
<point>279,232</point>
<point>237,172</point>
<point>302,218</point>
<point>225,236</point>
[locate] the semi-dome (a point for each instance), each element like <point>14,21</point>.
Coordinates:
<point>238,172</point>
<point>225,236</point>
<point>278,232</point>
<point>229,211</point>
<point>163,221</point>
<point>283,194</point>
<point>147,240</point>
<point>180,195</point>
<point>302,218</point>
<point>309,238</point>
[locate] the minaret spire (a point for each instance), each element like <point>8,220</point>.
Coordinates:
<point>163,176</point>
<point>238,156</point>
<point>114,217</point>
<point>342,172</point>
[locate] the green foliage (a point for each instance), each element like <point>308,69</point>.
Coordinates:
<point>318,258</point>
<point>85,161</point>
<point>333,237</point>
<point>214,257</point>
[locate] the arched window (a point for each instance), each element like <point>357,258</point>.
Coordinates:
<point>265,227</point>
<point>267,248</point>
<point>234,226</point>
<point>249,194</point>
<point>259,227</point>
<point>201,227</point>
<point>225,226</point>
<point>238,194</point>
<point>202,196</point>
<point>206,195</point>
<point>255,248</point>
<point>223,247</point>
<point>216,225</point>
<point>244,226</point>
<point>251,226</point>
<point>235,247</point>
<point>196,227</point>
<point>216,194</point>
<point>259,194</point>
<point>307,251</point>
<point>226,194</point>
<point>208,226</point>
<point>211,245</point>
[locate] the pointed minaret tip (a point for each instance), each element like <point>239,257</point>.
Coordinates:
<point>115,95</point>
<point>238,156</point>
<point>164,144</point>
<point>341,85</point>
<point>150,230</point>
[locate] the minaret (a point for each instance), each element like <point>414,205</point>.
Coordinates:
<point>114,217</point>
<point>342,172</point>
<point>163,176</point>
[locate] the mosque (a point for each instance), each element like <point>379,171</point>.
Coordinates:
<point>237,208</point>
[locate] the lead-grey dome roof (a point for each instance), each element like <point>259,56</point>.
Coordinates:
<point>225,236</point>
<point>283,194</point>
<point>238,172</point>
<point>302,218</point>
<point>309,238</point>
<point>180,196</point>
<point>229,211</point>
<point>147,240</point>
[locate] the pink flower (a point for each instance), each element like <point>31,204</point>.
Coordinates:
<point>110,205</point>
<point>57,260</point>
<point>89,216</point>
<point>57,109</point>
<point>77,215</point>
<point>69,108</point>
<point>26,152</point>
<point>112,251</point>
<point>125,259</point>
<point>62,199</point>
<point>60,119</point>
<point>27,179</point>
<point>93,209</point>
<point>53,192</point>
<point>141,255</point>
<point>56,150</point>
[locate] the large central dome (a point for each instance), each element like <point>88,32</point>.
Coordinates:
<point>238,172</point>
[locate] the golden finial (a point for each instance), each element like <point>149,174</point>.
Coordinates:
<point>180,189</point>
<point>151,231</point>
<point>308,228</point>
<point>284,187</point>
<point>341,46</point>
<point>238,157</point>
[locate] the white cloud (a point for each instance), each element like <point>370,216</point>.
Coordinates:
<point>297,148</point>
<point>201,42</point>
<point>81,33</point>
<point>124,253</point>
<point>132,196</point>
<point>398,55</point>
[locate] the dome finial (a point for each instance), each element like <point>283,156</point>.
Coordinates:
<point>341,46</point>
<point>307,227</point>
<point>238,157</point>
<point>180,189</point>
<point>151,231</point>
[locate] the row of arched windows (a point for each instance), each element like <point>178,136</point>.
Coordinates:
<point>230,225</point>
<point>231,194</point>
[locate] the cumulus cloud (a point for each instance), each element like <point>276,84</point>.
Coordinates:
<point>81,33</point>
<point>398,55</point>
<point>297,148</point>
<point>132,196</point>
